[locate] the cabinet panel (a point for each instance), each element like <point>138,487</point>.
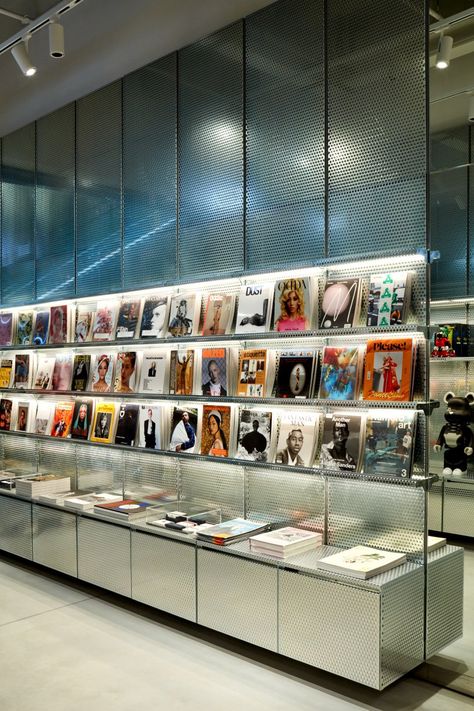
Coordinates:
<point>103,555</point>
<point>54,539</point>
<point>458,508</point>
<point>15,527</point>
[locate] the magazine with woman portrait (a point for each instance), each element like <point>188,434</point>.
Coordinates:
<point>184,315</point>
<point>102,373</point>
<point>150,426</point>
<point>85,315</point>
<point>58,322</point>
<point>216,430</point>
<point>103,426</point>
<point>254,435</point>
<point>82,419</point>
<point>62,372</point>
<point>293,304</point>
<point>184,430</point>
<point>218,314</point>
<point>154,317</point>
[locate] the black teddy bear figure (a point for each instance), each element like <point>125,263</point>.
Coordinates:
<point>456,436</point>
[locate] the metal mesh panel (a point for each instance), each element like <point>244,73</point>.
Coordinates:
<point>55,169</point>
<point>54,539</point>
<point>286,498</point>
<point>402,623</point>
<point>149,174</point>
<point>57,458</point>
<point>458,508</point>
<point>17,227</point>
<point>435,507</point>
<point>449,216</point>
<point>210,155</point>
<point>376,127</point>
<point>376,514</point>
<point>15,527</point>
<point>214,486</point>
<point>145,473</point>
<point>234,583</point>
<point>103,555</point>
<point>444,616</point>
<point>164,574</point>
<point>98,191</point>
<point>329,625</point>
<point>99,468</point>
<point>19,455</point>
<point>449,148</point>
<point>285,135</point>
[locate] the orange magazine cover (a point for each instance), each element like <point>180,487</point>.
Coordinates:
<point>252,373</point>
<point>215,436</point>
<point>62,419</point>
<point>388,369</point>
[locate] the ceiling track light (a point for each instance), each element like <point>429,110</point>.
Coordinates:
<point>20,55</point>
<point>445,46</point>
<point>56,39</point>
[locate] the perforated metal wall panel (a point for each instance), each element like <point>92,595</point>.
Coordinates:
<point>285,134</point>
<point>226,585</point>
<point>444,604</point>
<point>15,527</point>
<point>98,191</point>
<point>214,486</point>
<point>450,147</point>
<point>164,574</point>
<point>54,210</point>
<point>376,127</point>
<point>103,555</point>
<point>149,174</point>
<point>54,539</point>
<point>99,468</point>
<point>210,155</point>
<point>57,458</point>
<point>146,472</point>
<point>17,226</point>
<point>435,507</point>
<point>458,508</point>
<point>19,455</point>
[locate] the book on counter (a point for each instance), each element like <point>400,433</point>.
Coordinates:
<point>58,324</point>
<point>103,426</point>
<point>297,438</point>
<point>80,372</point>
<point>55,497</point>
<point>86,502</point>
<point>252,373</point>
<point>341,303</point>
<point>42,484</point>
<point>236,529</point>
<point>22,373</point>
<point>184,315</point>
<point>62,419</point>
<point>103,328</point>
<point>389,298</point>
<point>218,314</point>
<point>254,309</point>
<point>24,328</point>
<point>214,372</point>
<point>293,304</point>
<point>284,542</point>
<point>435,542</point>
<point>6,372</point>
<point>361,562</point>
<point>127,320</point>
<point>340,448</point>
<point>6,329</point>
<point>127,424</point>
<point>125,509</point>
<point>254,435</point>
<point>294,373</point>
<point>154,372</point>
<point>389,369</point>
<point>182,371</point>
<point>340,373</point>
<point>41,328</point>
<point>389,439</point>
<point>154,317</point>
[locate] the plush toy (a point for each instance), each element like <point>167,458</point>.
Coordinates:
<point>456,436</point>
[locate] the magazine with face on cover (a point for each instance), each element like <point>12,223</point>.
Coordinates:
<point>80,372</point>
<point>214,372</point>
<point>26,412</point>
<point>154,317</point>
<point>389,369</point>
<point>184,430</point>
<point>103,426</point>
<point>252,375</point>
<point>293,304</point>
<point>6,411</point>
<point>340,447</point>
<point>254,435</point>
<point>101,378</point>
<point>58,324</point>
<point>297,438</point>
<point>82,419</point>
<point>126,372</point>
<point>150,425</point>
<point>128,318</point>
<point>254,308</point>
<point>62,419</point>
<point>216,430</point>
<point>218,314</point>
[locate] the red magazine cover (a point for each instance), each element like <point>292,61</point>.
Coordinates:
<point>388,369</point>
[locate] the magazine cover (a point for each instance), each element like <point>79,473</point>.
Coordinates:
<point>6,407</point>
<point>341,303</point>
<point>81,419</point>
<point>24,328</point>
<point>292,304</point>
<point>214,372</point>
<point>43,417</point>
<point>388,298</point>
<point>216,430</point>
<point>40,331</point>
<point>6,329</point>
<point>181,372</point>
<point>255,434</point>
<point>154,371</point>
<point>23,417</point>
<point>154,321</point>
<point>127,320</point>
<point>150,426</point>
<point>183,316</point>
<point>218,314</point>
<point>62,372</point>
<point>85,315</point>
<point>388,369</point>
<point>21,377</point>
<point>104,423</point>
<point>104,321</point>
<point>252,373</point>
<point>389,438</point>
<point>126,372</point>
<point>80,372</point>
<point>102,372</point>
<point>339,373</point>
<point>297,437</point>
<point>184,430</point>
<point>294,373</point>
<point>255,308</point>
<point>6,370</point>
<point>127,424</point>
<point>44,372</point>
<point>340,446</point>
<point>62,419</point>
<point>58,324</point>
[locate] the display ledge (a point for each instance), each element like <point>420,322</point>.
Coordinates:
<point>466,479</point>
<point>462,359</point>
<point>321,333</point>
<point>414,481</point>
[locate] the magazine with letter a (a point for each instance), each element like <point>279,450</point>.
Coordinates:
<point>361,562</point>
<point>389,439</point>
<point>389,296</point>
<point>389,369</point>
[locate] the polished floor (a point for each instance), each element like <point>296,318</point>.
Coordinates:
<point>71,647</point>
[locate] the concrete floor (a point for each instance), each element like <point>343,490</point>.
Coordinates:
<point>70,646</point>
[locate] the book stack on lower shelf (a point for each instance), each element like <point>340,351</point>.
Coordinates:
<point>285,542</point>
<point>42,484</point>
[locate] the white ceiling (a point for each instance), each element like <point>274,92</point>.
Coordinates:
<point>105,39</point>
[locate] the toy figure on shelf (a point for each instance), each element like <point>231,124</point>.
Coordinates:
<point>456,436</point>
<point>442,347</point>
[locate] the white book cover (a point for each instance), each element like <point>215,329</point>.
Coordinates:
<point>287,537</point>
<point>44,416</point>
<point>297,436</point>
<point>84,321</point>
<point>62,372</point>
<point>44,372</point>
<point>154,375</point>
<point>150,426</point>
<point>25,415</point>
<point>104,321</point>
<point>88,501</point>
<point>361,562</point>
<point>435,542</point>
<point>255,308</point>
<point>126,372</point>
<point>184,315</point>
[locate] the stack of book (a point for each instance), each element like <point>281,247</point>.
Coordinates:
<point>42,484</point>
<point>86,502</point>
<point>231,531</point>
<point>285,542</point>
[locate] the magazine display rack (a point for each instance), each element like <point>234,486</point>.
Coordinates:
<point>371,631</point>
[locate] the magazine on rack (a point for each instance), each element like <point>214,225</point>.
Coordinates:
<point>126,372</point>
<point>84,321</point>
<point>24,328</point>
<point>6,329</point>
<point>102,373</point>
<point>150,425</point>
<point>184,430</point>
<point>255,308</point>
<point>6,372</point>
<point>254,435</point>
<point>341,303</point>
<point>127,422</point>
<point>62,419</point>
<point>82,419</point>
<point>80,372</point>
<point>41,328</point>
<point>58,324</point>
<point>154,317</point>
<point>127,320</point>
<point>293,304</point>
<point>104,321</point>
<point>218,314</point>
<point>340,447</point>
<point>154,372</point>
<point>44,371</point>
<point>181,372</point>
<point>389,298</point>
<point>389,440</point>
<point>25,416</point>
<point>297,438</point>
<point>295,373</point>
<point>184,315</point>
<point>389,370</point>
<point>214,372</point>
<point>340,371</point>
<point>216,430</point>
<point>22,376</point>
<point>103,427</point>
<point>62,372</point>
<point>44,414</point>
<point>252,374</point>
<point>6,407</point>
